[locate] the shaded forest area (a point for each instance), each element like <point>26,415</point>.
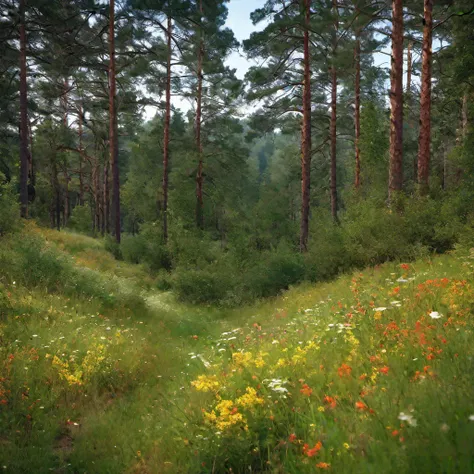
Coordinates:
<point>324,158</point>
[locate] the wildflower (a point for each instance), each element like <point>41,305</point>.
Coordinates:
<point>250,398</point>
<point>292,438</point>
<point>306,390</point>
<point>408,418</point>
<point>395,433</point>
<point>382,308</point>
<point>330,401</point>
<point>321,409</point>
<point>471,417</point>
<point>435,315</point>
<point>384,370</point>
<point>205,383</point>
<point>344,370</point>
<point>323,465</point>
<point>346,445</point>
<point>361,406</point>
<point>405,266</point>
<point>310,452</point>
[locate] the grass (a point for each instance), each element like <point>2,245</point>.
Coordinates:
<point>357,375</point>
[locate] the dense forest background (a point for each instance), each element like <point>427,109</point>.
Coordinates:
<point>318,162</point>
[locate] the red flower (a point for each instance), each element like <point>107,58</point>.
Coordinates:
<point>344,370</point>
<point>361,406</point>
<point>323,465</point>
<point>312,451</point>
<point>292,438</point>
<point>330,401</point>
<point>306,390</point>
<point>384,370</point>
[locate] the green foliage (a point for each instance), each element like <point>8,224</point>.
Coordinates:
<point>112,246</point>
<point>147,248</point>
<point>80,220</point>
<point>9,208</point>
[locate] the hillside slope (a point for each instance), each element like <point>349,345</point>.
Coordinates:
<point>102,373</point>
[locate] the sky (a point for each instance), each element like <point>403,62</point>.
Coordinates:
<point>238,20</point>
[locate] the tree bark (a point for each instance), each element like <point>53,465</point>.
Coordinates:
<point>106,200</point>
<point>23,115</point>
<point>424,141</point>
<point>396,101</point>
<point>113,135</point>
<point>409,66</point>
<point>306,136</point>
<point>166,138</point>
<point>199,176</point>
<point>333,124</point>
<point>81,158</point>
<point>357,110</point>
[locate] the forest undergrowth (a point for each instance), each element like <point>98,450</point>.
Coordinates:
<point>102,373</point>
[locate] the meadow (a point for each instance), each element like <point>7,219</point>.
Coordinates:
<point>102,372</point>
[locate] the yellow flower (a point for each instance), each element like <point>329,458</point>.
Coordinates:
<point>206,383</point>
<point>250,398</point>
<point>242,358</point>
<point>321,408</point>
<point>346,445</point>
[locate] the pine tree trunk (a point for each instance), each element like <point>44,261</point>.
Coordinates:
<point>23,115</point>
<point>333,124</point>
<point>113,135</point>
<point>166,138</point>
<point>306,137</point>
<point>409,67</point>
<point>333,131</point>
<point>199,177</point>
<point>357,110</point>
<point>396,101</point>
<point>106,200</point>
<point>424,141</point>
<point>81,158</point>
<point>67,204</point>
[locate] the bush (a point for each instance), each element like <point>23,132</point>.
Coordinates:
<point>202,286</point>
<point>112,246</point>
<point>327,255</point>
<point>147,248</point>
<point>80,220</point>
<point>9,208</point>
<point>277,270</point>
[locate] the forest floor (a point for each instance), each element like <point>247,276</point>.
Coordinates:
<point>102,373</point>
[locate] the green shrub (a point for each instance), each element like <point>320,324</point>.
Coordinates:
<point>147,248</point>
<point>112,246</point>
<point>327,255</point>
<point>9,208</point>
<point>201,286</point>
<point>276,271</point>
<point>80,220</point>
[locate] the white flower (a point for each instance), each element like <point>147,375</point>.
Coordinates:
<point>408,418</point>
<point>382,308</point>
<point>435,315</point>
<point>471,417</point>
<point>402,280</point>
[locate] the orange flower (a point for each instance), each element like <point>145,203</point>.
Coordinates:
<point>330,401</point>
<point>292,438</point>
<point>344,370</point>
<point>312,451</point>
<point>395,433</point>
<point>384,370</point>
<point>306,390</point>
<point>405,266</point>
<point>323,465</point>
<point>361,406</point>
